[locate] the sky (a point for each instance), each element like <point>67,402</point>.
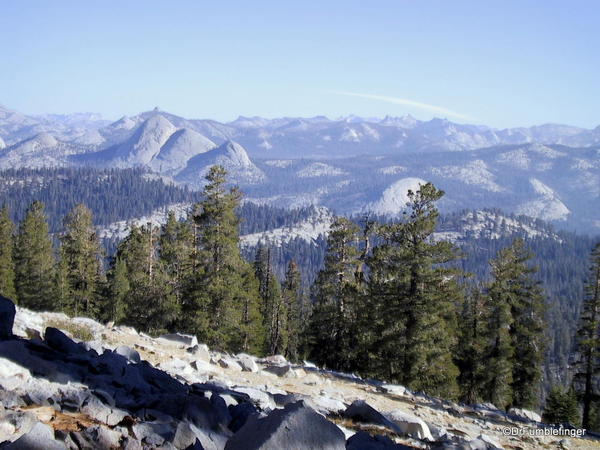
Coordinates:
<point>500,63</point>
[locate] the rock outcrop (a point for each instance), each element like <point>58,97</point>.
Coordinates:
<point>72,383</point>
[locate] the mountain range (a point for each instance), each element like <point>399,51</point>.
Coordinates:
<point>351,165</point>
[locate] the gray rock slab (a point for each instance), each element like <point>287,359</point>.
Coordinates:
<point>296,427</point>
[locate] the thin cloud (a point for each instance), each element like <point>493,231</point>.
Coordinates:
<point>406,102</point>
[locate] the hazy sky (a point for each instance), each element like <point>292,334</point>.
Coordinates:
<point>502,63</point>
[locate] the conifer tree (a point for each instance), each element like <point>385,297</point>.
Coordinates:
<point>176,246</point>
<point>500,351</point>
<point>252,328</point>
<point>470,353</point>
<point>274,309</point>
<point>561,407</point>
<point>34,261</point>
<point>527,331</point>
<point>415,292</point>
<point>515,322</point>
<point>7,265</point>
<point>293,299</point>
<point>587,365</point>
<point>81,260</point>
<point>332,333</point>
<point>150,304</point>
<point>216,295</point>
<point>115,304</point>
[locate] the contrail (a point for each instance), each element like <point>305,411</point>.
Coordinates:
<point>406,102</point>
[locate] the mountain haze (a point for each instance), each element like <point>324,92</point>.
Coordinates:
<point>349,164</point>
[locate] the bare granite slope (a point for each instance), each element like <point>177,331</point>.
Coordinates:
<point>74,383</point>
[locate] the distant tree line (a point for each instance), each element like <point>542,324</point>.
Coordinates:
<point>113,194</point>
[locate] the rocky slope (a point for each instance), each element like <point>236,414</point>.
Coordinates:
<point>100,386</point>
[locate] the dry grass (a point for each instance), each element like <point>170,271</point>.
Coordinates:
<point>77,331</point>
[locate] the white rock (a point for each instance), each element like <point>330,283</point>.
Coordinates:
<point>247,362</point>
<point>201,366</point>
<point>492,444</point>
<point>275,359</point>
<point>525,414</point>
<point>411,425</point>
<point>394,389</point>
<point>200,351</point>
<point>12,375</point>
<point>327,405</point>
<point>264,400</point>
<point>174,365</point>
<point>228,362</point>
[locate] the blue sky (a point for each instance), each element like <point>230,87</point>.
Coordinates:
<point>502,63</point>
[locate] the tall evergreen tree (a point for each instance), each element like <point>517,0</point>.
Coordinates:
<point>561,407</point>
<point>176,245</point>
<point>333,318</point>
<point>115,304</point>
<point>34,261</point>
<point>527,331</point>
<point>81,257</point>
<point>587,365</point>
<point>293,299</point>
<point>515,322</point>
<point>500,350</point>
<point>150,304</point>
<point>215,299</point>
<point>415,293</point>
<point>470,353</point>
<point>7,265</point>
<point>274,309</point>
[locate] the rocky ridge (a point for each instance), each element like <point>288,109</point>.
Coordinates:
<point>73,383</point>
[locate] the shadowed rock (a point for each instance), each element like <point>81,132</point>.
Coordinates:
<point>7,317</point>
<point>296,427</point>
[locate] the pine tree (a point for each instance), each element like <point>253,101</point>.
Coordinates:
<point>561,407</point>
<point>34,261</point>
<point>588,341</point>
<point>274,309</point>
<point>81,258</point>
<point>527,331</point>
<point>252,328</point>
<point>150,304</point>
<point>415,293</point>
<point>500,351</point>
<point>332,334</point>
<point>293,299</point>
<point>176,246</point>
<point>7,265</point>
<point>515,322</point>
<point>115,304</point>
<point>214,303</point>
<point>470,353</point>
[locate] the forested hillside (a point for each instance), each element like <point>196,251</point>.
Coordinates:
<point>112,194</point>
<point>143,280</point>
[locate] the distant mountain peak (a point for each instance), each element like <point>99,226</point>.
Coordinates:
<point>44,140</point>
<point>232,156</point>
